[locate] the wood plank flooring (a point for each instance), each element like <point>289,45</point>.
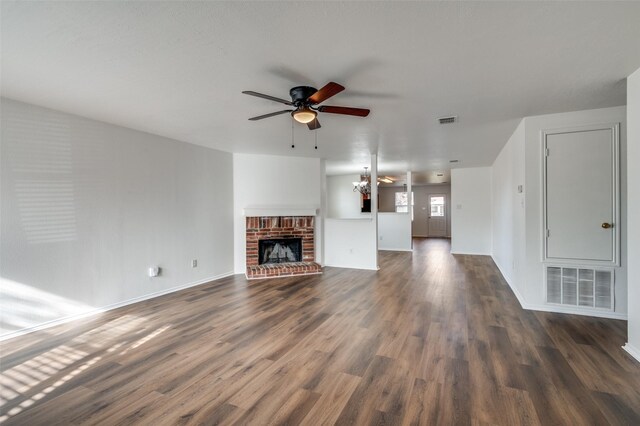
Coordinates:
<point>429,339</point>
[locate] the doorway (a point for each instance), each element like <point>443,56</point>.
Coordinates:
<point>437,218</point>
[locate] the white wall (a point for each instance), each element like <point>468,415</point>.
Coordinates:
<point>351,243</point>
<point>273,181</point>
<point>87,207</point>
<point>633,211</point>
<point>471,210</point>
<point>508,225</point>
<point>342,201</point>
<point>534,286</point>
<point>394,231</point>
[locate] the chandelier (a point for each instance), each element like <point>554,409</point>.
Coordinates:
<point>364,186</point>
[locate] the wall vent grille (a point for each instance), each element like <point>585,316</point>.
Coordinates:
<point>447,120</point>
<point>581,287</point>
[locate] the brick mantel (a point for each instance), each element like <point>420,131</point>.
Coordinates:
<point>269,227</point>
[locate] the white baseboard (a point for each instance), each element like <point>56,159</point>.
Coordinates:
<point>394,249</point>
<point>557,308</point>
<point>106,308</point>
<point>470,253</point>
<point>575,311</point>
<point>632,350</point>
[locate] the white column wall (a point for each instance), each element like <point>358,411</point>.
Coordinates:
<point>471,210</point>
<point>633,206</point>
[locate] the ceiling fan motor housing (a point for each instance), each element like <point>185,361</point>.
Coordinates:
<point>300,94</point>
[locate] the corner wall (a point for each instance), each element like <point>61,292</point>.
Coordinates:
<point>87,207</point>
<point>508,228</point>
<point>517,217</point>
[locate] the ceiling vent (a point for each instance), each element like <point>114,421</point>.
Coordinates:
<point>448,120</point>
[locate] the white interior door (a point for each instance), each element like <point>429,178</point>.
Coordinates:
<point>581,194</point>
<point>437,215</point>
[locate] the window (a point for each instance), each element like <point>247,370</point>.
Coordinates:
<point>402,205</point>
<point>437,206</point>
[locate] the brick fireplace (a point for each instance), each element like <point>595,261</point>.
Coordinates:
<point>281,232</point>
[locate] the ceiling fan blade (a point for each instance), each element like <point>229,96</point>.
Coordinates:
<point>315,124</point>
<point>271,98</point>
<point>360,112</point>
<point>260,117</point>
<point>329,90</point>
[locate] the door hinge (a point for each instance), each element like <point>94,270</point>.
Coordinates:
<point>546,152</point>
<point>548,233</point>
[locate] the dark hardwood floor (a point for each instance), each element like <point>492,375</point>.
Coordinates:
<point>429,339</point>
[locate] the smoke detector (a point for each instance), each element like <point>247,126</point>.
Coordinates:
<point>448,120</point>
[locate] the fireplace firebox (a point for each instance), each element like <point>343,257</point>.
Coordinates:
<point>279,250</point>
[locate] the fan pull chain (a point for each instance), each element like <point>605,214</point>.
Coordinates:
<point>293,145</point>
<point>316,133</point>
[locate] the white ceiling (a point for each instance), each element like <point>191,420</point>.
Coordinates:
<point>177,69</point>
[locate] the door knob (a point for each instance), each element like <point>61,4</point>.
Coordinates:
<point>606,225</point>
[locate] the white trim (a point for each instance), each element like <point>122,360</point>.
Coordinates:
<point>363,219</point>
<point>466,252</point>
<point>575,311</point>
<point>615,132</point>
<point>110,307</point>
<point>395,249</point>
<point>632,350</point>
<point>258,211</point>
<point>514,289</point>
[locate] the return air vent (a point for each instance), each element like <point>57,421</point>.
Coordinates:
<point>581,287</point>
<point>448,120</point>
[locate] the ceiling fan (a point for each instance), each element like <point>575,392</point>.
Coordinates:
<point>304,100</point>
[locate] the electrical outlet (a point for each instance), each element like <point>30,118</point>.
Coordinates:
<point>194,263</point>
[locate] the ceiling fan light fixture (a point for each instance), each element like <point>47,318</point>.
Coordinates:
<point>304,115</point>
